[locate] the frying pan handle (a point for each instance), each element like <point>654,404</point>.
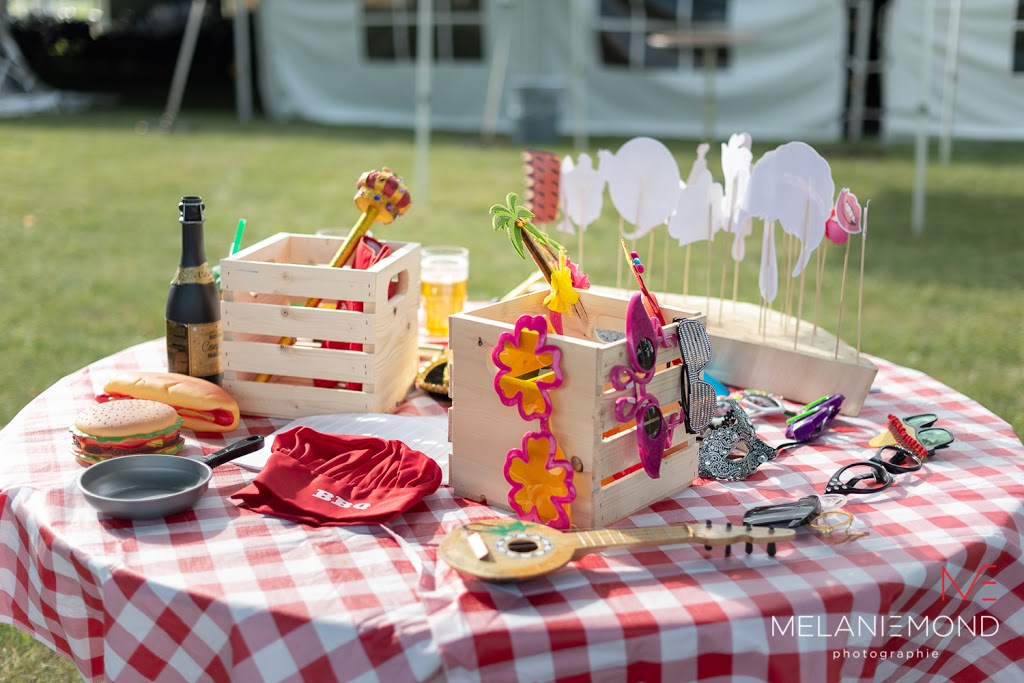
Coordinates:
<point>235,450</point>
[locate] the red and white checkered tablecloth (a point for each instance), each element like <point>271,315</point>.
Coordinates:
<point>220,593</point>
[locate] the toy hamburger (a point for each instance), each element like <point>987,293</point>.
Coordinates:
<point>128,427</point>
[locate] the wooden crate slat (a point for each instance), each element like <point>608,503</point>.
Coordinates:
<point>636,491</point>
<point>299,281</point>
<point>298,321</point>
<point>290,401</point>
<point>618,452</point>
<point>297,361</point>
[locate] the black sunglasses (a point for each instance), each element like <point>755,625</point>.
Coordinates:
<point>867,476</point>
<point>897,460</point>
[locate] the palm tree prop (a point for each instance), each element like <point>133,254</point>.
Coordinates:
<point>527,237</point>
<point>524,235</point>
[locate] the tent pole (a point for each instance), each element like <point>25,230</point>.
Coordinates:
<point>949,83</point>
<point>184,63</point>
<point>12,62</point>
<point>921,140</point>
<point>579,27</point>
<point>424,57</point>
<point>859,69</point>
<point>496,79</point>
<point>243,63</point>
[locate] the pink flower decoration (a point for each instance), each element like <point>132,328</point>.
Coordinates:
<point>541,480</point>
<point>528,368</point>
<point>580,280</point>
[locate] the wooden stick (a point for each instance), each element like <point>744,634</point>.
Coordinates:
<point>650,248</point>
<point>618,272</point>
<point>803,271</point>
<point>665,267</point>
<point>760,315</point>
<point>735,281</point>
<point>842,287</point>
<point>524,286</point>
<point>711,235</point>
<point>784,304</point>
<point>686,273</point>
<point>799,309</point>
<point>819,273</point>
<point>721,288</point>
<point>728,251</point>
<point>579,245</point>
<point>580,227</point>
<point>860,288</point>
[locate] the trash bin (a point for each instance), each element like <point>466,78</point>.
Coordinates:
<point>535,110</point>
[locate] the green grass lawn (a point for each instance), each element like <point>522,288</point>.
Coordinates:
<point>89,238</point>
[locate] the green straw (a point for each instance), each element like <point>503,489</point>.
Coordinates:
<point>238,236</point>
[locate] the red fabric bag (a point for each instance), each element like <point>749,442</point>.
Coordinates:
<point>369,252</point>
<point>339,479</point>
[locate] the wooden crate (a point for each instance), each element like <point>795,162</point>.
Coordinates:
<point>263,289</point>
<point>483,430</point>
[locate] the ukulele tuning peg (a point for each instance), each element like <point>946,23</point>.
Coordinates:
<point>728,526</point>
<point>749,547</point>
<point>728,550</point>
<point>771,546</point>
<point>750,527</point>
<point>708,526</point>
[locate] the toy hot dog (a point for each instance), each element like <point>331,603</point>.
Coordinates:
<point>203,406</point>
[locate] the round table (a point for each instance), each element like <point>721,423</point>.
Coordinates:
<point>934,591</point>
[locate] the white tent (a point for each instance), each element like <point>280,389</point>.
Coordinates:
<point>784,78</point>
<point>973,66</point>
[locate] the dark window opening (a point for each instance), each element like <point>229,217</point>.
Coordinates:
<point>390,32</point>
<point>1018,40</point>
<point>645,34</point>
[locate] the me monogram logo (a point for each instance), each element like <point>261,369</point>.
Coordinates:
<point>338,500</point>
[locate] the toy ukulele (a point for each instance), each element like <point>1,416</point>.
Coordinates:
<point>502,550</point>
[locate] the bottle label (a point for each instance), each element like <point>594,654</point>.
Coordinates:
<point>193,275</point>
<point>194,349</point>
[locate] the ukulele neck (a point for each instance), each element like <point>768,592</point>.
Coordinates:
<point>597,540</point>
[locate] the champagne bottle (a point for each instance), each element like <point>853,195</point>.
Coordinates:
<point>193,304</point>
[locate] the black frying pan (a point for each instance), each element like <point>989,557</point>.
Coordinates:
<point>151,486</point>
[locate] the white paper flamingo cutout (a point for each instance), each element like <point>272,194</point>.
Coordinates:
<point>566,168</point>
<point>736,166</point>
<point>582,193</point>
<point>581,196</point>
<point>698,209</point>
<point>643,183</point>
<point>793,184</point>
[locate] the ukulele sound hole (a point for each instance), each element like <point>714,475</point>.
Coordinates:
<point>522,545</point>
